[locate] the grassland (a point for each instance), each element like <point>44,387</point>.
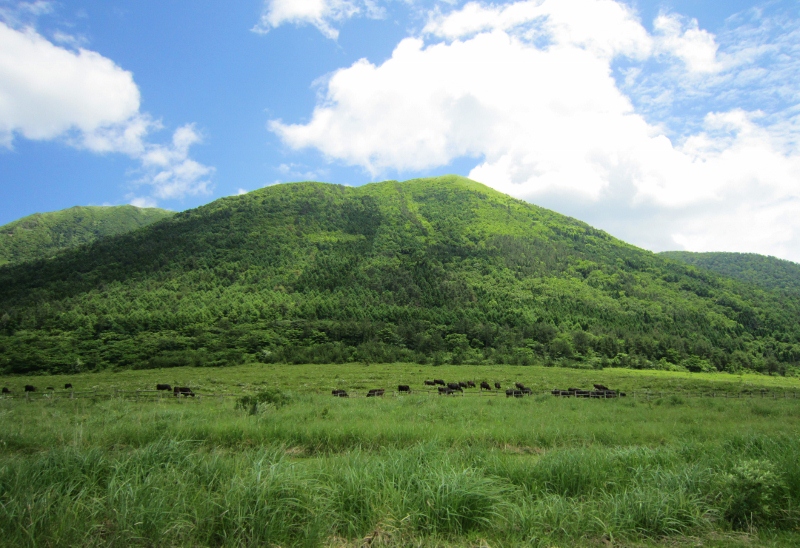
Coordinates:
<point>423,470</point>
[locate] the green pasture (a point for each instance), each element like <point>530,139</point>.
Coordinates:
<point>358,378</point>
<point>293,466</point>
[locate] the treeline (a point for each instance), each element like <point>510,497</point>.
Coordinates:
<point>430,271</point>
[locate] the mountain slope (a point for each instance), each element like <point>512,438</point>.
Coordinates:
<point>42,235</point>
<point>760,270</point>
<point>430,270</point>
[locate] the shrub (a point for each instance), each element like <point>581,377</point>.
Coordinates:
<point>270,396</point>
<point>753,493</point>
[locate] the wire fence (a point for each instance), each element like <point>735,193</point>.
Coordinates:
<point>163,395</point>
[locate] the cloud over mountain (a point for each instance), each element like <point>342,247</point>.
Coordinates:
<point>569,103</point>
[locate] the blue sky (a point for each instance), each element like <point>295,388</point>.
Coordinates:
<point>673,125</point>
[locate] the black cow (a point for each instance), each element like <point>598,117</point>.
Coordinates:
<point>49,388</point>
<point>163,387</point>
<point>454,386</point>
<point>338,393</point>
<point>440,382</point>
<point>182,390</point>
<point>485,386</point>
<point>462,384</point>
<point>403,388</point>
<point>6,390</point>
<point>601,387</point>
<point>67,386</point>
<point>444,391</point>
<point>471,384</point>
<point>515,393</point>
<point>430,383</point>
<point>527,391</point>
<point>30,388</point>
<point>497,385</point>
<point>375,392</point>
<point>519,385</point>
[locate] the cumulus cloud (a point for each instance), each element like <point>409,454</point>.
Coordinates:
<point>48,92</point>
<point>531,90</point>
<point>323,14</point>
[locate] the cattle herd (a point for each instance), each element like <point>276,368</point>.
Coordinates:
<point>444,389</point>
<point>519,390</point>
<point>177,391</point>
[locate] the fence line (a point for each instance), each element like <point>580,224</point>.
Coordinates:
<point>161,395</point>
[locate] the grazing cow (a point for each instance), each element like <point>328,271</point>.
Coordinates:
<point>163,387</point>
<point>182,390</point>
<point>497,385</point>
<point>30,388</point>
<point>444,391</point>
<point>519,385</point>
<point>430,383</point>
<point>338,393</point>
<point>440,382</point>
<point>403,388</point>
<point>471,384</point>
<point>375,392</point>
<point>512,392</point>
<point>6,390</point>
<point>600,387</point>
<point>67,386</point>
<point>462,384</point>
<point>49,388</point>
<point>485,386</point>
<point>527,391</point>
<point>454,386</point>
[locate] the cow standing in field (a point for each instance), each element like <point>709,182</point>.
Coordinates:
<point>602,387</point>
<point>67,386</point>
<point>430,383</point>
<point>497,385</point>
<point>471,384</point>
<point>404,388</point>
<point>375,392</point>
<point>444,391</point>
<point>440,382</point>
<point>6,390</point>
<point>163,387</point>
<point>511,392</point>
<point>485,386</point>
<point>182,391</point>
<point>339,393</point>
<point>30,388</point>
<point>454,386</point>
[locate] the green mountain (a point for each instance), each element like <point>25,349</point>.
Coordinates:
<point>43,235</point>
<point>760,270</point>
<point>430,270</point>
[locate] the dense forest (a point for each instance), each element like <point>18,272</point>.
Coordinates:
<point>766,272</point>
<point>43,235</point>
<point>434,271</point>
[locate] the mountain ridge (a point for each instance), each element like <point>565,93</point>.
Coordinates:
<point>429,270</point>
<point>43,235</point>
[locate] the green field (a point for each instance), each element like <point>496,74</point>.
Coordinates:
<point>667,467</point>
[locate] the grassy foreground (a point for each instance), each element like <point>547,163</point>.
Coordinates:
<point>312,470</point>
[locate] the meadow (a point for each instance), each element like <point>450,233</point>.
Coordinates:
<point>293,466</point>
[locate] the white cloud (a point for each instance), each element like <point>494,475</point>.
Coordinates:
<point>84,99</point>
<point>143,202</point>
<point>689,43</point>
<point>528,89</point>
<point>323,14</point>
<point>46,90</point>
<point>241,192</point>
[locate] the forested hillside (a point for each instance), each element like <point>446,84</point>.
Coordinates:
<point>42,235</point>
<point>429,270</point>
<point>760,270</point>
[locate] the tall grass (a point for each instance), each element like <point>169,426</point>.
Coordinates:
<point>177,493</point>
